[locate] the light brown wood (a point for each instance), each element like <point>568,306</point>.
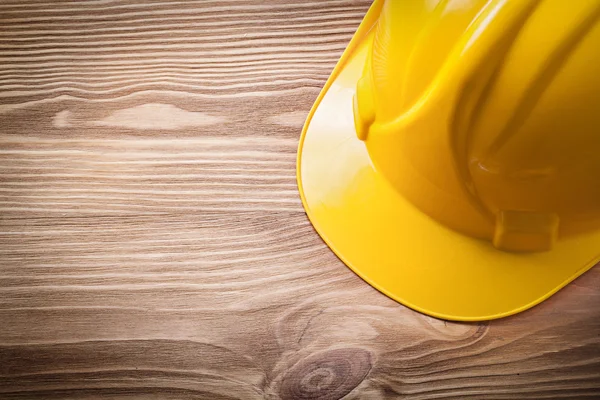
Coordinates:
<point>152,240</point>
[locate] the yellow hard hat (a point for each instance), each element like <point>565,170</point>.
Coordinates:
<point>452,159</point>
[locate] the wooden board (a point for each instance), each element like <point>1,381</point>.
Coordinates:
<point>152,241</point>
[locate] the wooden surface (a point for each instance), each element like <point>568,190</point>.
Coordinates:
<point>152,241</point>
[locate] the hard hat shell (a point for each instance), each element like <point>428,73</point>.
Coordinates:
<point>451,159</point>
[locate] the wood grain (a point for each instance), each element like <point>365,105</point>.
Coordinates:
<point>152,241</point>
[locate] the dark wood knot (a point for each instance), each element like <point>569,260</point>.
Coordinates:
<point>329,375</point>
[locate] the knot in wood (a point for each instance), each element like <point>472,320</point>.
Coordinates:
<point>328,375</point>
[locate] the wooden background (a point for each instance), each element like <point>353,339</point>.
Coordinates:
<point>153,244</point>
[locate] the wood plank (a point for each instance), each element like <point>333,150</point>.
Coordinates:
<point>153,244</point>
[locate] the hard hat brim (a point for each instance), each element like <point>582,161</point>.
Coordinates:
<point>394,246</point>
